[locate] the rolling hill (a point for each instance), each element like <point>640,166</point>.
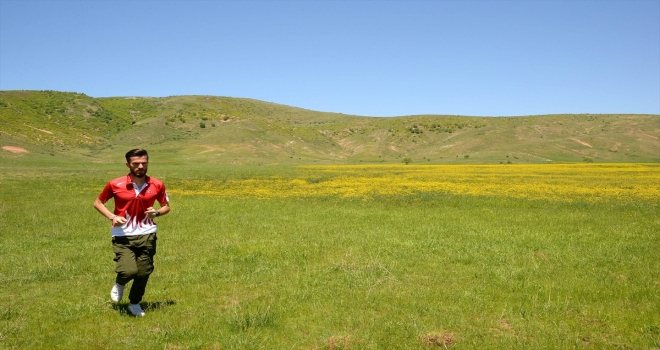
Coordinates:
<point>225,130</point>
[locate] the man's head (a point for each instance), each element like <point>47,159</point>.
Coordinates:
<point>137,160</point>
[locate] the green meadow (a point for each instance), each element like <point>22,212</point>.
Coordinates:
<point>417,271</point>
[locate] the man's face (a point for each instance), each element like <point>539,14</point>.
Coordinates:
<point>138,166</point>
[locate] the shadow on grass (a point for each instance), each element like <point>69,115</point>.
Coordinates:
<point>146,306</point>
<point>157,305</point>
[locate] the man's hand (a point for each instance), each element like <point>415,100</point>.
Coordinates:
<point>118,221</point>
<point>151,212</point>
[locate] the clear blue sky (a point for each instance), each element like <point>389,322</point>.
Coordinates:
<point>373,58</point>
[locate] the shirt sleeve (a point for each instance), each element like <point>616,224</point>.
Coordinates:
<point>163,198</point>
<point>106,194</point>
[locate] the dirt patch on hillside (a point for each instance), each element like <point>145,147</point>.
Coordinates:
<point>210,149</point>
<point>571,149</point>
<point>651,136</point>
<point>14,149</point>
<point>42,130</point>
<point>581,142</point>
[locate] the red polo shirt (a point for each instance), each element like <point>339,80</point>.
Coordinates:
<point>131,202</point>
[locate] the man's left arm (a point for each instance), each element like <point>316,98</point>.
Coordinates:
<point>152,212</point>
<point>164,201</point>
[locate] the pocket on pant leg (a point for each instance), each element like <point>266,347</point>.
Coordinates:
<point>145,264</point>
<point>145,260</point>
<point>151,245</point>
<point>124,258</point>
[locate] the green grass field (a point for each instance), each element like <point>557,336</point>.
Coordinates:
<point>395,272</point>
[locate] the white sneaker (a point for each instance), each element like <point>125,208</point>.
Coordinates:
<point>135,310</point>
<point>117,292</point>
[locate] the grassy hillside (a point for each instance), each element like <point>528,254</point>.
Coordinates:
<point>209,129</point>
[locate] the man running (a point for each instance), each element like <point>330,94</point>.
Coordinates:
<point>133,229</point>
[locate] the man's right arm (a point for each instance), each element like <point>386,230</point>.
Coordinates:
<point>101,208</point>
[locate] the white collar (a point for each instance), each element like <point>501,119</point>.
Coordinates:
<point>138,190</point>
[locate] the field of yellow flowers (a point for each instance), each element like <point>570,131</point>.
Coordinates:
<point>556,182</point>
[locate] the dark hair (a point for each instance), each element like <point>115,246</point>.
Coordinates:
<point>137,152</point>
